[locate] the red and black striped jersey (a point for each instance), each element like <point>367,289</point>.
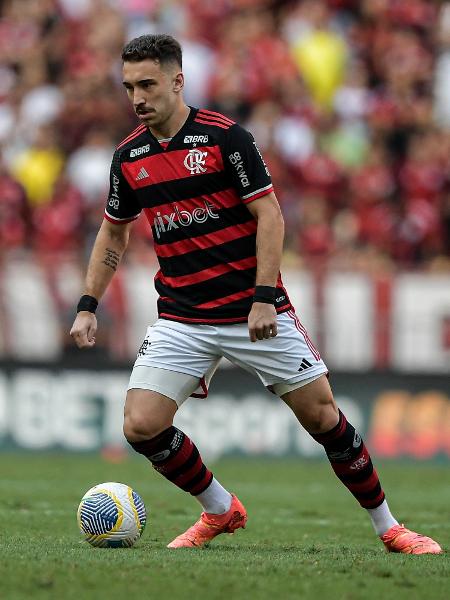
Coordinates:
<point>193,191</point>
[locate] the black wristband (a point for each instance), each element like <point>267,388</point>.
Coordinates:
<point>88,303</point>
<point>265,293</point>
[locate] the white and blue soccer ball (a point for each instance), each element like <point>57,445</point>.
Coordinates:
<point>111,515</point>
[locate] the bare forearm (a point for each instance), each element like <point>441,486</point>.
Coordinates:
<point>269,248</point>
<point>262,319</point>
<point>106,255</point>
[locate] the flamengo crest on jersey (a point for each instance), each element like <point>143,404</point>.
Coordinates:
<point>195,161</point>
<point>193,192</point>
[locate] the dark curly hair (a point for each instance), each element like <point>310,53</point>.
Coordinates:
<point>161,47</point>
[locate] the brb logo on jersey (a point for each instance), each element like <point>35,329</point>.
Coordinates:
<point>138,151</point>
<point>183,218</point>
<point>194,139</point>
<point>195,161</point>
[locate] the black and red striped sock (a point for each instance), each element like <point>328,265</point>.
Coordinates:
<point>351,462</point>
<point>176,457</point>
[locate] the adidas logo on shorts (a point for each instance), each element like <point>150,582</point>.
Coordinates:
<point>305,364</point>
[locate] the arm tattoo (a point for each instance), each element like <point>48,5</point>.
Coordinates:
<point>111,259</point>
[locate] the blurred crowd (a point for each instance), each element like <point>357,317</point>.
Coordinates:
<point>348,100</point>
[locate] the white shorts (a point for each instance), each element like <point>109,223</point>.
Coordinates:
<point>178,360</point>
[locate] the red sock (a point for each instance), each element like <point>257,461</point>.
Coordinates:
<point>176,457</point>
<point>351,462</point>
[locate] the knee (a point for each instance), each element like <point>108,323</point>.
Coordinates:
<point>146,415</point>
<point>317,412</point>
<point>136,428</point>
<point>322,416</point>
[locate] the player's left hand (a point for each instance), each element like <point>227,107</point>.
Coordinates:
<point>262,321</point>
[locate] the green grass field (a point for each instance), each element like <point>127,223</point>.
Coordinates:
<point>306,536</point>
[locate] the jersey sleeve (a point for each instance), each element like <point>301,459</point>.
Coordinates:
<point>246,166</point>
<point>121,205</point>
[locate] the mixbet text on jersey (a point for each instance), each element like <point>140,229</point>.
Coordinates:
<point>183,218</point>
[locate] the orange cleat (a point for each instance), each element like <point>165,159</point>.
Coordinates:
<point>209,525</point>
<point>400,539</point>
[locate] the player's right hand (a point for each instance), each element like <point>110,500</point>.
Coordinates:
<point>84,329</point>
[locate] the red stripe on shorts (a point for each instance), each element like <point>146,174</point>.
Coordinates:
<point>304,333</point>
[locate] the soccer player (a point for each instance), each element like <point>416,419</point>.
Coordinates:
<point>218,234</point>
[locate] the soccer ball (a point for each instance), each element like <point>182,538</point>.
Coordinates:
<point>111,515</point>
